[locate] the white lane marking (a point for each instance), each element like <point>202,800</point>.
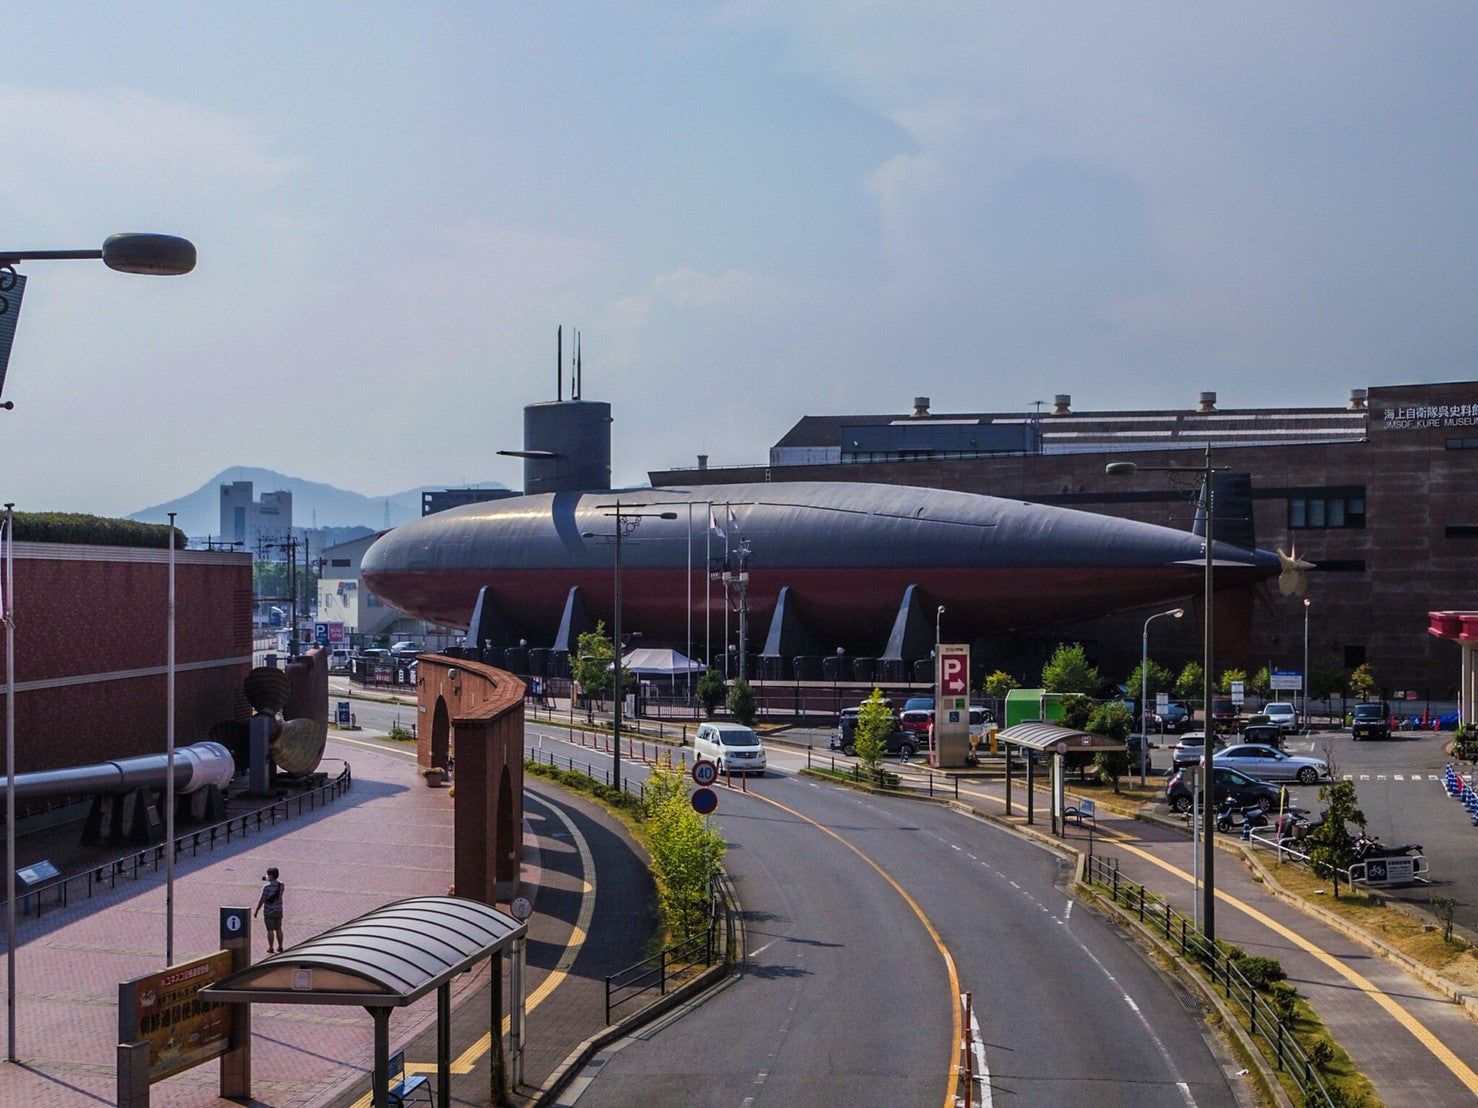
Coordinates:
<point>982,1071</point>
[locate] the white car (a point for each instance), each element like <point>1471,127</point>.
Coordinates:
<point>733,747</point>
<point>1282,713</point>
<point>1267,764</point>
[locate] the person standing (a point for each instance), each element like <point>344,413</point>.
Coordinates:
<point>270,905</point>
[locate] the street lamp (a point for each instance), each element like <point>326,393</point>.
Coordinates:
<point>1306,666</point>
<point>1144,687</point>
<point>151,254</point>
<point>626,520</point>
<point>1208,802</point>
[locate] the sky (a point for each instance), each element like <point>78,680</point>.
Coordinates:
<point>751,210</point>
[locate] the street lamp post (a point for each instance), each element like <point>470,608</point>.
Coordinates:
<point>626,520</point>
<point>1208,801</point>
<point>149,254</point>
<point>1144,687</point>
<point>1306,667</point>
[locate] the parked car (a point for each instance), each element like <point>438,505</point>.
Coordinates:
<point>406,646</point>
<point>375,654</point>
<point>1190,749</point>
<point>1174,719</point>
<point>1371,721</point>
<point>917,703</point>
<point>917,720</point>
<point>1133,742</point>
<point>1283,714</point>
<point>733,747</point>
<point>1267,764</point>
<point>1225,782</point>
<point>1225,719</point>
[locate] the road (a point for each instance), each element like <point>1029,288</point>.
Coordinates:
<point>865,919</point>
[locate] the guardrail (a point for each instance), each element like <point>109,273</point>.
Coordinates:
<point>675,964</point>
<point>105,877</point>
<point>1186,940</point>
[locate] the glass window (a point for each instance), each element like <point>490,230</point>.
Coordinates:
<point>1297,512</point>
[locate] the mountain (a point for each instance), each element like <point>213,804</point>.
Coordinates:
<point>314,504</point>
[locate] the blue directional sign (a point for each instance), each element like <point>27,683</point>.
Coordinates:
<point>705,801</point>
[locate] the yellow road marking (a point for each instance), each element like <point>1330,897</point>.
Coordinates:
<point>949,962</point>
<point>1418,1030</point>
<point>465,1061</point>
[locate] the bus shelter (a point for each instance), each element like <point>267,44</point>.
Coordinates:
<point>387,959</point>
<point>1039,739</point>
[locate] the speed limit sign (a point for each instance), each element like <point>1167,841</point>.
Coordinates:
<point>705,772</point>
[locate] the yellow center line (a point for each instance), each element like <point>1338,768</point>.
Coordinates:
<point>1419,1031</point>
<point>469,1058</point>
<point>949,963</point>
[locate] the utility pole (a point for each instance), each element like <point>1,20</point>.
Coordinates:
<point>740,580</point>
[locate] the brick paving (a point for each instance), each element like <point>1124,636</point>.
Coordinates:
<point>387,838</point>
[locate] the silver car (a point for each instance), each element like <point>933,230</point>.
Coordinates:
<point>1268,764</point>
<point>1283,714</point>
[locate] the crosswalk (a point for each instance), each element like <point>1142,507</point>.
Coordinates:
<point>1392,777</point>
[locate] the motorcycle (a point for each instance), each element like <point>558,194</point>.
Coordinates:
<point>1368,846</point>
<point>1252,816</point>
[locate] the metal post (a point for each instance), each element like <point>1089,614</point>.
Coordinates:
<point>1306,667</point>
<point>169,764</point>
<point>616,714</point>
<point>1208,802</point>
<point>8,613</point>
<point>1144,687</point>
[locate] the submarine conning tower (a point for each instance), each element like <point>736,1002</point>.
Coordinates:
<point>566,446</point>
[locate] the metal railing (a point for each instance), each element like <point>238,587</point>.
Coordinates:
<point>1263,1022</point>
<point>105,877</point>
<point>676,964</point>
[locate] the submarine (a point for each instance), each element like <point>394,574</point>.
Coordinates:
<point>811,564</point>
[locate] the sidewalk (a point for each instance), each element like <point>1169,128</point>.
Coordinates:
<point>387,838</point>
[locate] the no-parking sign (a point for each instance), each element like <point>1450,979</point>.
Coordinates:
<point>705,801</point>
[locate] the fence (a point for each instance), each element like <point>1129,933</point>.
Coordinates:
<point>1278,1042</point>
<point>677,963</point>
<point>105,877</point>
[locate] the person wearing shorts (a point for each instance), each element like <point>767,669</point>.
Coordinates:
<point>270,905</point>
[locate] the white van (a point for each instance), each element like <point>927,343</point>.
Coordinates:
<point>732,746</point>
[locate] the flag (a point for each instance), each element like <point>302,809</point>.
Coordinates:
<point>733,523</point>
<point>714,527</point>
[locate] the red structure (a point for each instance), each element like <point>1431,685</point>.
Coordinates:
<point>474,713</point>
<point>91,649</point>
<point>1463,628</point>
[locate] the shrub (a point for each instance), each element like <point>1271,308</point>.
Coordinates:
<point>1261,973</point>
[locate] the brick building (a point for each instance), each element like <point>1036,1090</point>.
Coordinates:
<point>1380,492</point>
<point>91,635</point>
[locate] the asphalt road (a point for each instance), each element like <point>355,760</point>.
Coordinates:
<point>865,919</point>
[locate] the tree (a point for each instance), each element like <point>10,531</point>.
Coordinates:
<point>1077,710</point>
<point>741,702</point>
<point>1069,671</point>
<point>1112,721</point>
<point>1190,685</point>
<point>1161,680</point>
<point>685,852</point>
<point>874,724</point>
<point>1333,851</point>
<point>1224,685</point>
<point>712,692</point>
<point>595,653</point>
<point>1260,685</point>
<point>1362,682</point>
<point>999,683</point>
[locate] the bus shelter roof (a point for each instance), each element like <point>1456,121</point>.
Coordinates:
<point>1052,739</point>
<point>387,958</point>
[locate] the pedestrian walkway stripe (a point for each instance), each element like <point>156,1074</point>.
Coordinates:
<point>1419,1031</point>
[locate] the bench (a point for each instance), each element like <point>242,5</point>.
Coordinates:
<point>404,1089</point>
<point>1084,814</point>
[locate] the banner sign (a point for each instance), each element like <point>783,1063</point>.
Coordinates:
<point>164,1010</point>
<point>12,286</point>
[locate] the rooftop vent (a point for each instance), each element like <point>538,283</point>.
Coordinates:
<point>1357,400</point>
<point>1208,402</point>
<point>921,407</point>
<point>702,461</point>
<point>1062,404</point>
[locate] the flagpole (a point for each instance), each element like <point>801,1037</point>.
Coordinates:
<point>7,608</point>
<point>708,591</point>
<point>689,651</point>
<point>169,767</point>
<point>726,591</point>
